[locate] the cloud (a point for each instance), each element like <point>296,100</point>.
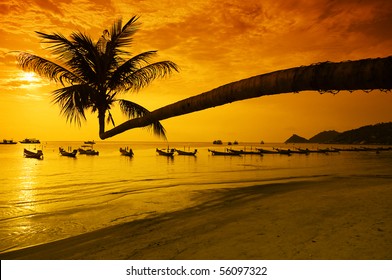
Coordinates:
<point>265,35</point>
<point>16,83</point>
<point>49,6</point>
<point>7,58</point>
<point>14,79</point>
<point>25,17</point>
<point>213,41</point>
<point>216,42</point>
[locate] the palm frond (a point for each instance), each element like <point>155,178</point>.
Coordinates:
<point>130,66</point>
<point>57,43</point>
<point>121,36</point>
<point>126,79</point>
<point>75,53</point>
<point>73,101</point>
<point>138,61</point>
<point>46,68</point>
<point>110,119</point>
<point>133,110</point>
<point>86,53</point>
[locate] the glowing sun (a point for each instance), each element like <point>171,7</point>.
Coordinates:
<point>29,77</point>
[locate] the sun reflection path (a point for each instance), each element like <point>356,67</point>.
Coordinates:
<point>20,204</point>
<point>28,184</point>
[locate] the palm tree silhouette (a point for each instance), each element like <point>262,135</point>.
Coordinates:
<point>364,74</point>
<point>93,75</point>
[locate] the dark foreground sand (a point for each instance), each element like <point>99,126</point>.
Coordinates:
<point>336,218</point>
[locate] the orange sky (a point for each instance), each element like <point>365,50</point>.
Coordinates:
<point>214,43</point>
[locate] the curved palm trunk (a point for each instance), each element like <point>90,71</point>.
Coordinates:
<point>366,74</point>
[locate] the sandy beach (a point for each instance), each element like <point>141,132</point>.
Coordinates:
<point>337,218</point>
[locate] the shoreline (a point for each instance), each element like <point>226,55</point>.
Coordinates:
<point>341,218</point>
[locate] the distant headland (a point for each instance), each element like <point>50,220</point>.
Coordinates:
<point>380,133</point>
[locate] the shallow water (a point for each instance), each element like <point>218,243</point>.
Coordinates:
<point>57,197</point>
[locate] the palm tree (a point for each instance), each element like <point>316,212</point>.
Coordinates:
<point>366,74</point>
<point>93,75</point>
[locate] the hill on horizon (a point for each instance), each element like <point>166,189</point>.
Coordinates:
<point>296,139</point>
<point>380,133</point>
<point>324,137</point>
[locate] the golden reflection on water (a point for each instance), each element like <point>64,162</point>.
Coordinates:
<point>20,201</point>
<point>28,183</point>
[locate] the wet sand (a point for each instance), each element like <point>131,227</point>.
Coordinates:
<point>331,218</point>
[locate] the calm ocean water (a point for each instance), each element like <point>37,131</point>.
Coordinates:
<point>58,197</point>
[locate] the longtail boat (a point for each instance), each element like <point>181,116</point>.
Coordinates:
<point>68,154</point>
<point>30,154</point>
<point>284,151</point>
<point>168,152</point>
<point>88,150</point>
<point>185,153</point>
<point>219,153</point>
<point>264,151</point>
<point>126,152</point>
<point>244,152</point>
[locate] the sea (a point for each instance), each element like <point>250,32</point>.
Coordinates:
<point>59,197</point>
